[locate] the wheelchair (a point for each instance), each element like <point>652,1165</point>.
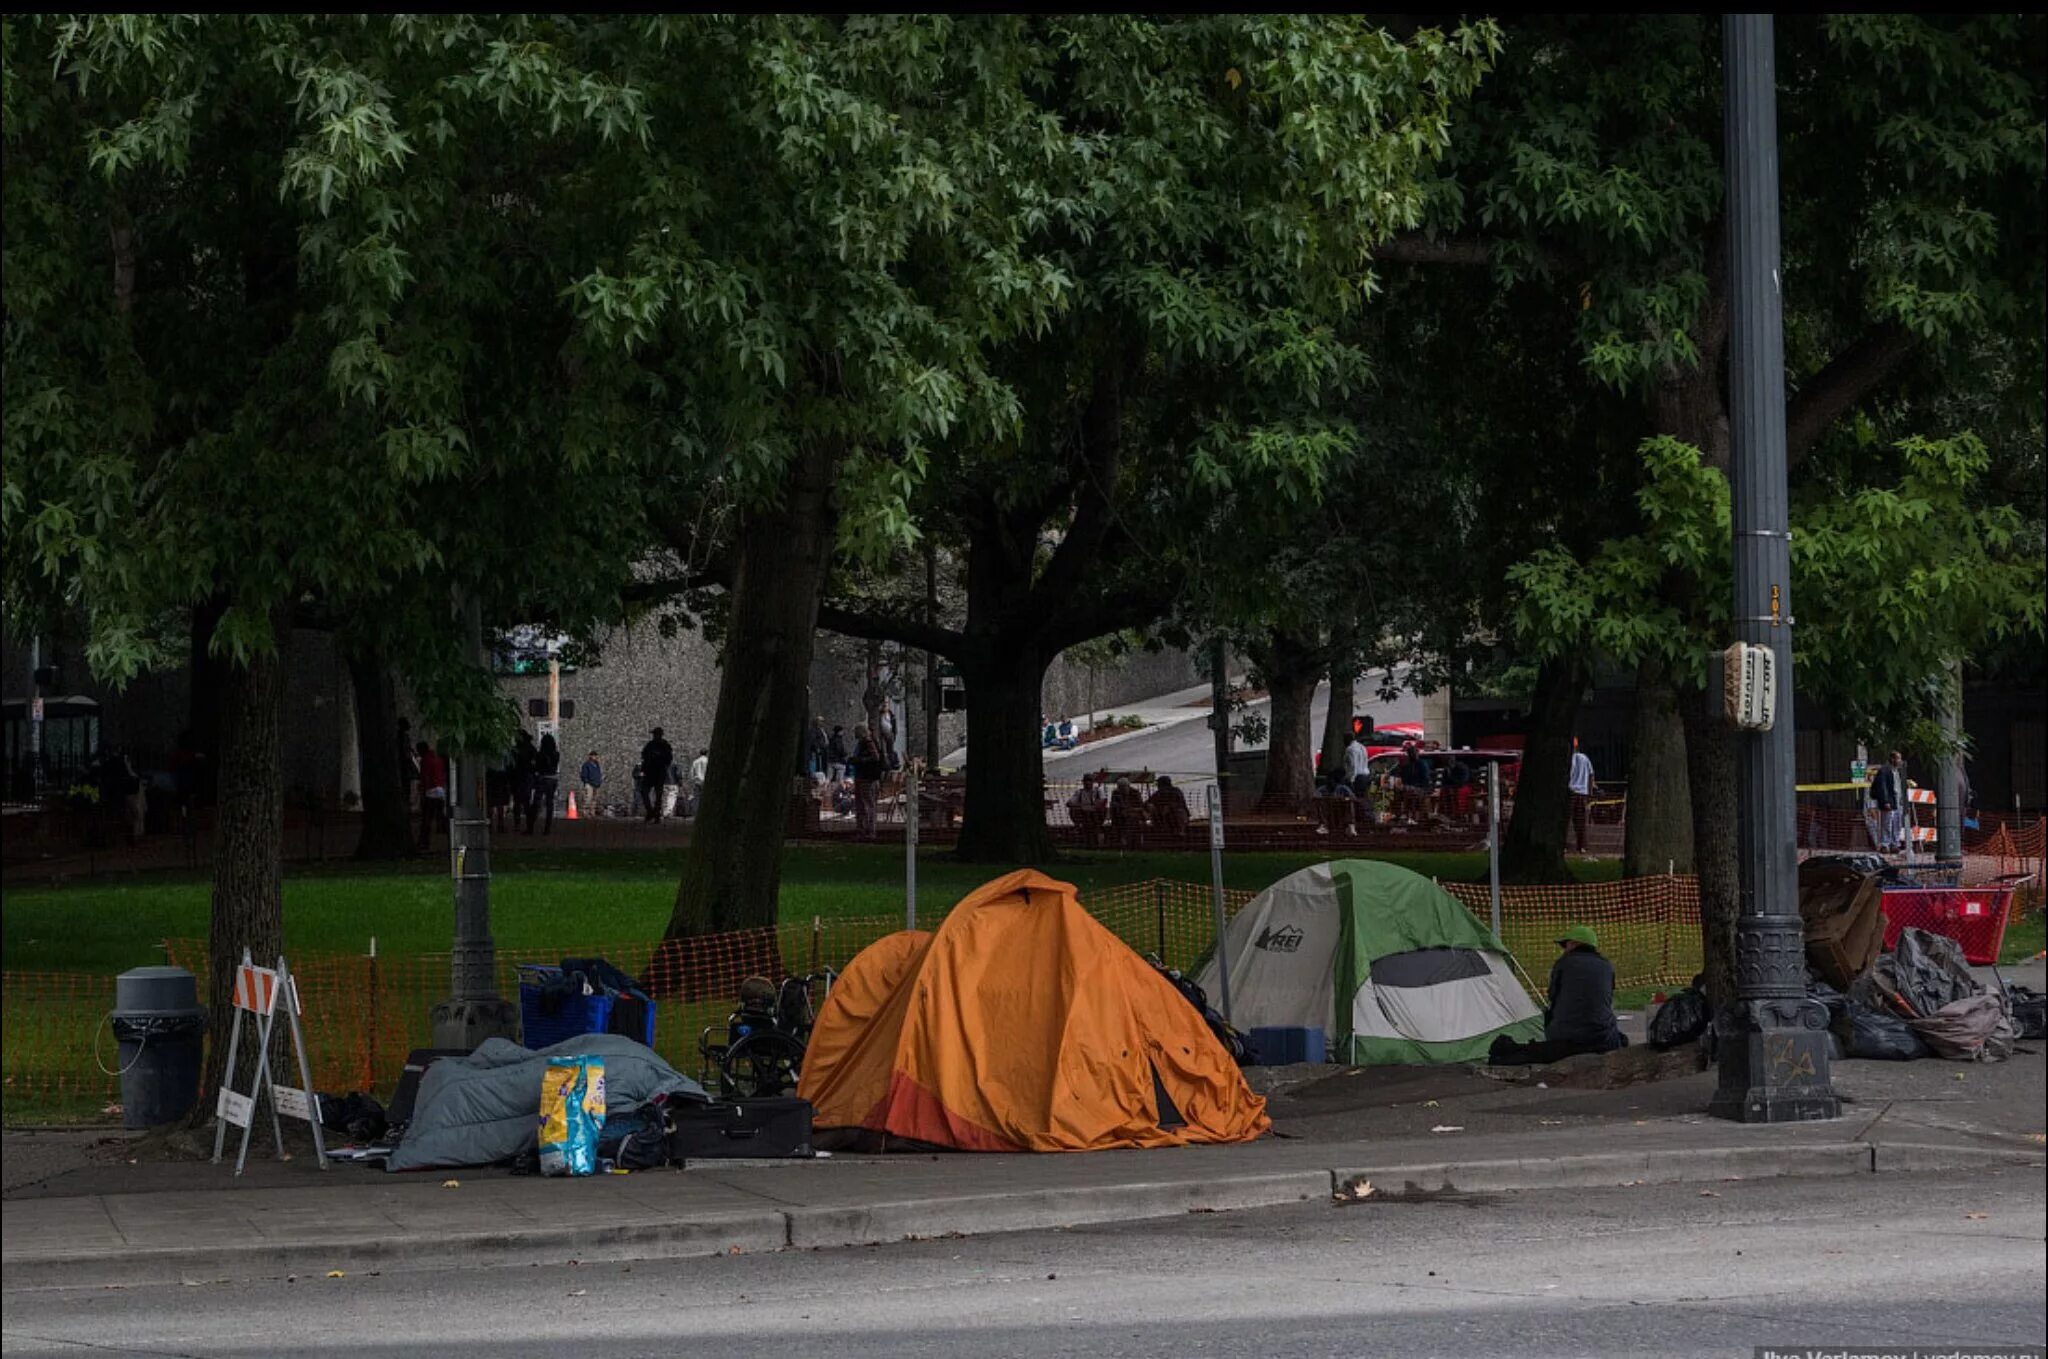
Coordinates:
<point>762,1051</point>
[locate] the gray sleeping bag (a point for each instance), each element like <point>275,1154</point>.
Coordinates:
<point>484,1108</point>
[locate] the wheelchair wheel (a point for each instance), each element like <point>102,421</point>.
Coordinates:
<point>762,1064</point>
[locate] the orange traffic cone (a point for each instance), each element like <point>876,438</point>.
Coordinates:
<point>572,816</point>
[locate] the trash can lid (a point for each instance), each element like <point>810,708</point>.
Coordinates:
<point>156,990</point>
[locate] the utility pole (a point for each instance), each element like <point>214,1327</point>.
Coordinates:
<point>1773,1040</point>
<point>474,1010</point>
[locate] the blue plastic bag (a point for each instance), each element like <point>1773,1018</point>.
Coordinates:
<point>571,1115</point>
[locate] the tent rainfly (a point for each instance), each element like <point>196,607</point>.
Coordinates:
<point>1391,967</point>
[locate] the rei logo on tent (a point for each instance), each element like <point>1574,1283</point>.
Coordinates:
<point>1286,939</point>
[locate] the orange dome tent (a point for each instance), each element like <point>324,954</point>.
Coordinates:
<point>1022,1024</point>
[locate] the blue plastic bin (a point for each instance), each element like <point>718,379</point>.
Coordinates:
<point>1281,1046</point>
<point>578,1016</point>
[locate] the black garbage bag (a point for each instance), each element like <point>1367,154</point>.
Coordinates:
<point>1881,1037</point>
<point>2029,1012</point>
<point>1837,1004</point>
<point>1928,971</point>
<point>1680,1019</point>
<point>357,1116</point>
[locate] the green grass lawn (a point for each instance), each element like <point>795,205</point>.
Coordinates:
<point>547,899</point>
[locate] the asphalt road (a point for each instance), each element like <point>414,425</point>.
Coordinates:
<point>1860,1260</point>
<point>1189,748</point>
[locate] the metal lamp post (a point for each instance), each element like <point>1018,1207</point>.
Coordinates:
<point>474,1011</point>
<point>1773,1039</point>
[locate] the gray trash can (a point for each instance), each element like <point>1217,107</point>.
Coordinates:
<point>160,1027</point>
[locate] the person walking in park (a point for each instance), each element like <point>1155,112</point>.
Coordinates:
<point>523,762</point>
<point>836,757</point>
<point>868,768</point>
<point>655,758</point>
<point>408,762</point>
<point>1357,769</point>
<point>433,792</point>
<point>1581,782</point>
<point>1888,795</point>
<point>591,776</point>
<point>698,768</point>
<point>816,746</point>
<point>547,778</point>
<point>886,737</point>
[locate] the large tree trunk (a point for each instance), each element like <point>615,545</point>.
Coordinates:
<point>387,821</point>
<point>203,699</point>
<point>1291,670</point>
<point>1532,850</point>
<point>1337,721</point>
<point>1710,761</point>
<point>1659,801</point>
<point>248,844</point>
<point>732,874</point>
<point>1004,819</point>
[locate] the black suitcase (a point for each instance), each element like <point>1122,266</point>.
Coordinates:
<point>746,1128</point>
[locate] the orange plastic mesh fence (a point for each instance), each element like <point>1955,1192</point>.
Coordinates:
<point>58,1056</point>
<point>1649,928</point>
<point>364,1013</point>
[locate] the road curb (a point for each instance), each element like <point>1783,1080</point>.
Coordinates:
<point>813,1227</point>
<point>717,1234</point>
<point>1031,1210</point>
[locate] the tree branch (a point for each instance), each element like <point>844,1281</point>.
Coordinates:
<point>1102,446</point>
<point>1469,252</point>
<point>889,627</point>
<point>1849,377</point>
<point>1130,607</point>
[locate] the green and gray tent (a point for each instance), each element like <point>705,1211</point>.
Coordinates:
<point>1391,967</point>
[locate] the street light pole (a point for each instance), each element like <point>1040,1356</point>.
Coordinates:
<point>1773,1041</point>
<point>474,1011</point>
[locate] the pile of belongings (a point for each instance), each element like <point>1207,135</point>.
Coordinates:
<point>1921,998</point>
<point>554,989</point>
<point>1841,906</point>
<point>485,1108</point>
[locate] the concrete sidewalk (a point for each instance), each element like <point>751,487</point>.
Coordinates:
<point>196,1222</point>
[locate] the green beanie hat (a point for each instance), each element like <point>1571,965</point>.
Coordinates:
<point>1579,934</point>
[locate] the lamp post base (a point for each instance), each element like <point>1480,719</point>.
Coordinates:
<point>463,1024</point>
<point>1774,1063</point>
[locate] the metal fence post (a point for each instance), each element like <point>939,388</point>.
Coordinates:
<point>1216,883</point>
<point>910,814</point>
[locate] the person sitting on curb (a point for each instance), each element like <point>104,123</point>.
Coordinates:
<point>1580,1015</point>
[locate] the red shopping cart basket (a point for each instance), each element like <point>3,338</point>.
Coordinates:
<point>1972,916</point>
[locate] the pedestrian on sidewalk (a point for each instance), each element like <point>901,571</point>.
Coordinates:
<point>547,778</point>
<point>1582,793</point>
<point>433,792</point>
<point>1888,794</point>
<point>868,768</point>
<point>591,776</point>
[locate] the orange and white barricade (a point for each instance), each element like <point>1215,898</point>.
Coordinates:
<point>257,992</point>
